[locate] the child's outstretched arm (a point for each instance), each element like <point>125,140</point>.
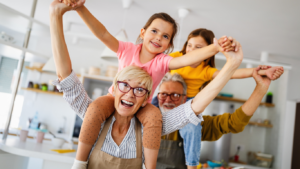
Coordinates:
<point>199,55</point>
<point>272,73</point>
<point>98,29</point>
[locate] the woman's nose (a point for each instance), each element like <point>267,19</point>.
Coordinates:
<point>130,93</point>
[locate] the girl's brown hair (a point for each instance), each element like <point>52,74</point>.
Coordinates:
<point>166,17</point>
<point>208,36</point>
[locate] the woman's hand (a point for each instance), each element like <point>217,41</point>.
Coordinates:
<point>58,8</point>
<point>73,3</point>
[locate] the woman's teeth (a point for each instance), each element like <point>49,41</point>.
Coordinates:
<point>126,103</point>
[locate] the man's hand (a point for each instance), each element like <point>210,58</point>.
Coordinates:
<point>274,72</point>
<point>262,82</point>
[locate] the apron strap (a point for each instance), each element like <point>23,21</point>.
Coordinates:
<point>138,137</point>
<point>103,133</point>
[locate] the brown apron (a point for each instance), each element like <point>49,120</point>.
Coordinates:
<point>171,154</point>
<point>101,160</point>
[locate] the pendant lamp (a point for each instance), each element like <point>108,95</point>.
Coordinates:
<point>182,13</point>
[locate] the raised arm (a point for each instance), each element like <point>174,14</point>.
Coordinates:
<point>193,57</point>
<point>98,29</point>
<point>214,127</point>
<point>68,83</point>
<point>197,56</point>
<point>203,98</point>
<point>59,48</point>
<point>272,73</point>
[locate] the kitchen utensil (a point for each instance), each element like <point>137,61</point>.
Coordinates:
<point>30,84</point>
<point>96,93</point>
<point>94,71</point>
<point>111,71</point>
<point>226,95</point>
<point>63,151</point>
<point>52,134</point>
<point>213,165</point>
<point>58,142</point>
<point>40,137</point>
<point>23,135</point>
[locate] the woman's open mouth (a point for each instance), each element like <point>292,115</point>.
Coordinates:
<point>126,103</point>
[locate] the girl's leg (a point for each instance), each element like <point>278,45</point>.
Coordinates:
<point>151,118</point>
<point>191,135</point>
<point>97,112</point>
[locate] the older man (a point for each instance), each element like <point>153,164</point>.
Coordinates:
<point>171,94</point>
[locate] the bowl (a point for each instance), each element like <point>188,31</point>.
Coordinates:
<point>212,164</point>
<point>58,142</point>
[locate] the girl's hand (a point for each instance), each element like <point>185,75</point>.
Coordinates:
<point>73,3</point>
<point>229,44</point>
<point>226,44</point>
<point>235,58</point>
<point>58,8</point>
<point>262,82</point>
<point>273,73</point>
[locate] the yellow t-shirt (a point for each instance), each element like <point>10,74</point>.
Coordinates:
<point>194,77</point>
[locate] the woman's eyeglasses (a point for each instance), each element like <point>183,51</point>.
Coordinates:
<point>137,91</point>
<point>173,96</point>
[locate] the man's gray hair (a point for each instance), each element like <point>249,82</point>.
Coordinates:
<point>175,77</point>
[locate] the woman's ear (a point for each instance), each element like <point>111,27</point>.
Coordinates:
<point>113,90</point>
<point>144,103</point>
<point>142,34</point>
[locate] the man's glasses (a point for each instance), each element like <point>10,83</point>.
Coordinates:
<point>137,91</point>
<point>173,96</point>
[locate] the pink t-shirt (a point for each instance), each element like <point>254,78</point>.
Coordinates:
<point>129,54</point>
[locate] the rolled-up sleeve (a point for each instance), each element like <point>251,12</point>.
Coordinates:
<point>178,117</point>
<point>74,93</point>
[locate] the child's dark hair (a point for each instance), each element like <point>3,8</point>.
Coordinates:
<point>208,36</point>
<point>166,17</point>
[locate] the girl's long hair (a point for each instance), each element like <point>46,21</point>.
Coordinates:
<point>166,17</point>
<point>208,36</point>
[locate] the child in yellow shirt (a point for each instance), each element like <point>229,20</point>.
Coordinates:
<point>198,76</point>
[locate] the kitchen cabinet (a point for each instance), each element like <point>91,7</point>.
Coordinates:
<point>90,83</point>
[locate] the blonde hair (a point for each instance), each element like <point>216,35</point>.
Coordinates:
<point>137,73</point>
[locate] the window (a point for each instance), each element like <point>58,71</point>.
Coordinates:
<point>8,67</point>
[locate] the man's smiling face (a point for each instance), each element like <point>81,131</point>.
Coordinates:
<point>170,87</point>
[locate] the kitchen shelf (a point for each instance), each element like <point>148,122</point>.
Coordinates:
<point>97,77</point>
<point>41,91</point>
<point>260,124</point>
<point>242,101</point>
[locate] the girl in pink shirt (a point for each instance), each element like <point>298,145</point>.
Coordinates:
<point>155,39</point>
